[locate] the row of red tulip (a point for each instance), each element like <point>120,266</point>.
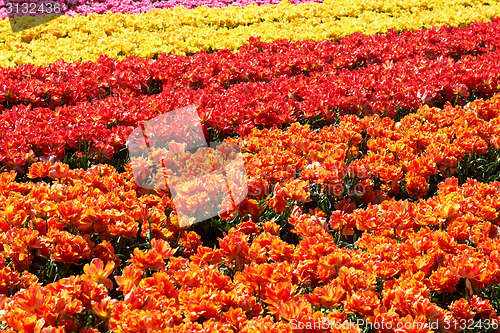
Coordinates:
<point>70,83</point>
<point>378,89</point>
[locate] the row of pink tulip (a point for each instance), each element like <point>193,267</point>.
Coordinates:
<point>81,7</point>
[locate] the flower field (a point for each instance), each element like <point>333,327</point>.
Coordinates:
<point>369,137</point>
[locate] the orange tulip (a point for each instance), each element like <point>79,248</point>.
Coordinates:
<point>96,272</point>
<point>131,276</point>
<point>329,296</point>
<point>364,302</point>
<point>150,259</point>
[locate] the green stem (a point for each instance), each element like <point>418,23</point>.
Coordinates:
<point>28,263</point>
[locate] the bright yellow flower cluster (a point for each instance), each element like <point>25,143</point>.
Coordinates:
<point>182,31</point>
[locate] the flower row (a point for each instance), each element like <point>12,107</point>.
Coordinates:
<point>183,31</point>
<point>80,7</point>
<point>254,281</point>
<point>378,89</point>
<point>68,83</point>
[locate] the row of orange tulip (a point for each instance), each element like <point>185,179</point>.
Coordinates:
<point>414,251</point>
<point>365,159</point>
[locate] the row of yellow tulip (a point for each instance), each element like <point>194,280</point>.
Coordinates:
<point>182,31</point>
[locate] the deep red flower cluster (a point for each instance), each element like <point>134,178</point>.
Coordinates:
<point>69,83</point>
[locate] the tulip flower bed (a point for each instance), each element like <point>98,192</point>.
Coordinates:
<point>370,199</point>
<point>184,31</point>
